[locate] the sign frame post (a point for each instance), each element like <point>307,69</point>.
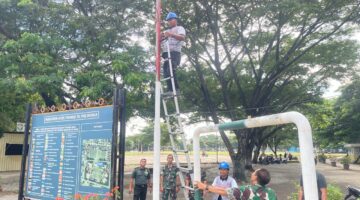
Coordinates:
<point>24,151</point>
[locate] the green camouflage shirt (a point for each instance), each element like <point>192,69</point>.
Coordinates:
<point>169,177</point>
<point>251,192</point>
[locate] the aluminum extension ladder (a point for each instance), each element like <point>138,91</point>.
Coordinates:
<point>175,128</point>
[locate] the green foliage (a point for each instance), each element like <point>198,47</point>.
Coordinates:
<point>54,53</point>
<point>336,122</point>
<point>322,157</point>
<point>345,160</point>
<point>13,99</point>
<point>284,138</point>
<point>243,59</point>
<point>321,115</point>
<point>247,59</point>
<point>214,142</point>
<point>333,193</point>
<point>346,125</point>
<point>145,140</point>
<point>210,142</point>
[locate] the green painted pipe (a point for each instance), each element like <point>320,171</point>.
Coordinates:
<point>240,124</point>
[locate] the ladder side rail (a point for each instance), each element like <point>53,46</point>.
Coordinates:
<point>187,152</point>
<point>176,129</point>
<point>172,77</point>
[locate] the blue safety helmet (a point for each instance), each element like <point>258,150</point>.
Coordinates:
<point>224,165</point>
<point>170,16</point>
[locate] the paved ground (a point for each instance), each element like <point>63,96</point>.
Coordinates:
<point>283,180</point>
<point>341,177</point>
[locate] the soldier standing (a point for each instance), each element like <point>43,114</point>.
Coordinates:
<point>169,180</point>
<point>141,175</point>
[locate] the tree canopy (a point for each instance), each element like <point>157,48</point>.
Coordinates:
<point>54,53</point>
<point>253,59</point>
<point>344,125</point>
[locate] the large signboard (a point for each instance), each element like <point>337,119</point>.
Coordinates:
<point>70,153</point>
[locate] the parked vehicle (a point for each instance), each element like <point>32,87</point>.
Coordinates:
<point>352,193</point>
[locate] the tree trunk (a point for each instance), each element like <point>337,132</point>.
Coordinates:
<point>47,99</point>
<point>242,160</point>
<point>239,169</point>
<point>242,164</point>
<point>256,154</point>
<point>248,156</point>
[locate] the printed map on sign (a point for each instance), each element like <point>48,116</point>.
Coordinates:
<point>95,167</point>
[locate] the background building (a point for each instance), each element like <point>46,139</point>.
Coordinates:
<point>11,145</point>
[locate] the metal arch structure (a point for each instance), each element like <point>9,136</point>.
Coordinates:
<point>305,144</point>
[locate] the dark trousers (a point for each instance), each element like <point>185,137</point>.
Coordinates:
<point>175,61</point>
<point>140,192</point>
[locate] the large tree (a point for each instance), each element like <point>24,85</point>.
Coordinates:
<point>255,58</point>
<point>56,53</point>
<point>321,116</point>
<point>344,127</point>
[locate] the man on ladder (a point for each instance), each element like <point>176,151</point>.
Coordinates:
<point>174,36</point>
<point>171,52</point>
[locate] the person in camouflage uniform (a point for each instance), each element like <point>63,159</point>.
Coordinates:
<point>256,191</point>
<point>169,180</point>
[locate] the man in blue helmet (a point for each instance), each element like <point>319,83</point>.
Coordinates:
<point>258,190</point>
<point>224,180</point>
<point>175,35</point>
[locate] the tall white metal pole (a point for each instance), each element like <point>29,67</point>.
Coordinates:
<point>157,132</point>
<point>157,135</point>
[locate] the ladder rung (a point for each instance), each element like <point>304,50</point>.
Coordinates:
<point>180,151</point>
<point>187,187</point>
<point>176,132</point>
<point>167,97</point>
<point>186,170</point>
<point>166,59</point>
<point>165,79</point>
<point>173,115</point>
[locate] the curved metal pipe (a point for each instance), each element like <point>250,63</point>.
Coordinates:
<point>305,144</point>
